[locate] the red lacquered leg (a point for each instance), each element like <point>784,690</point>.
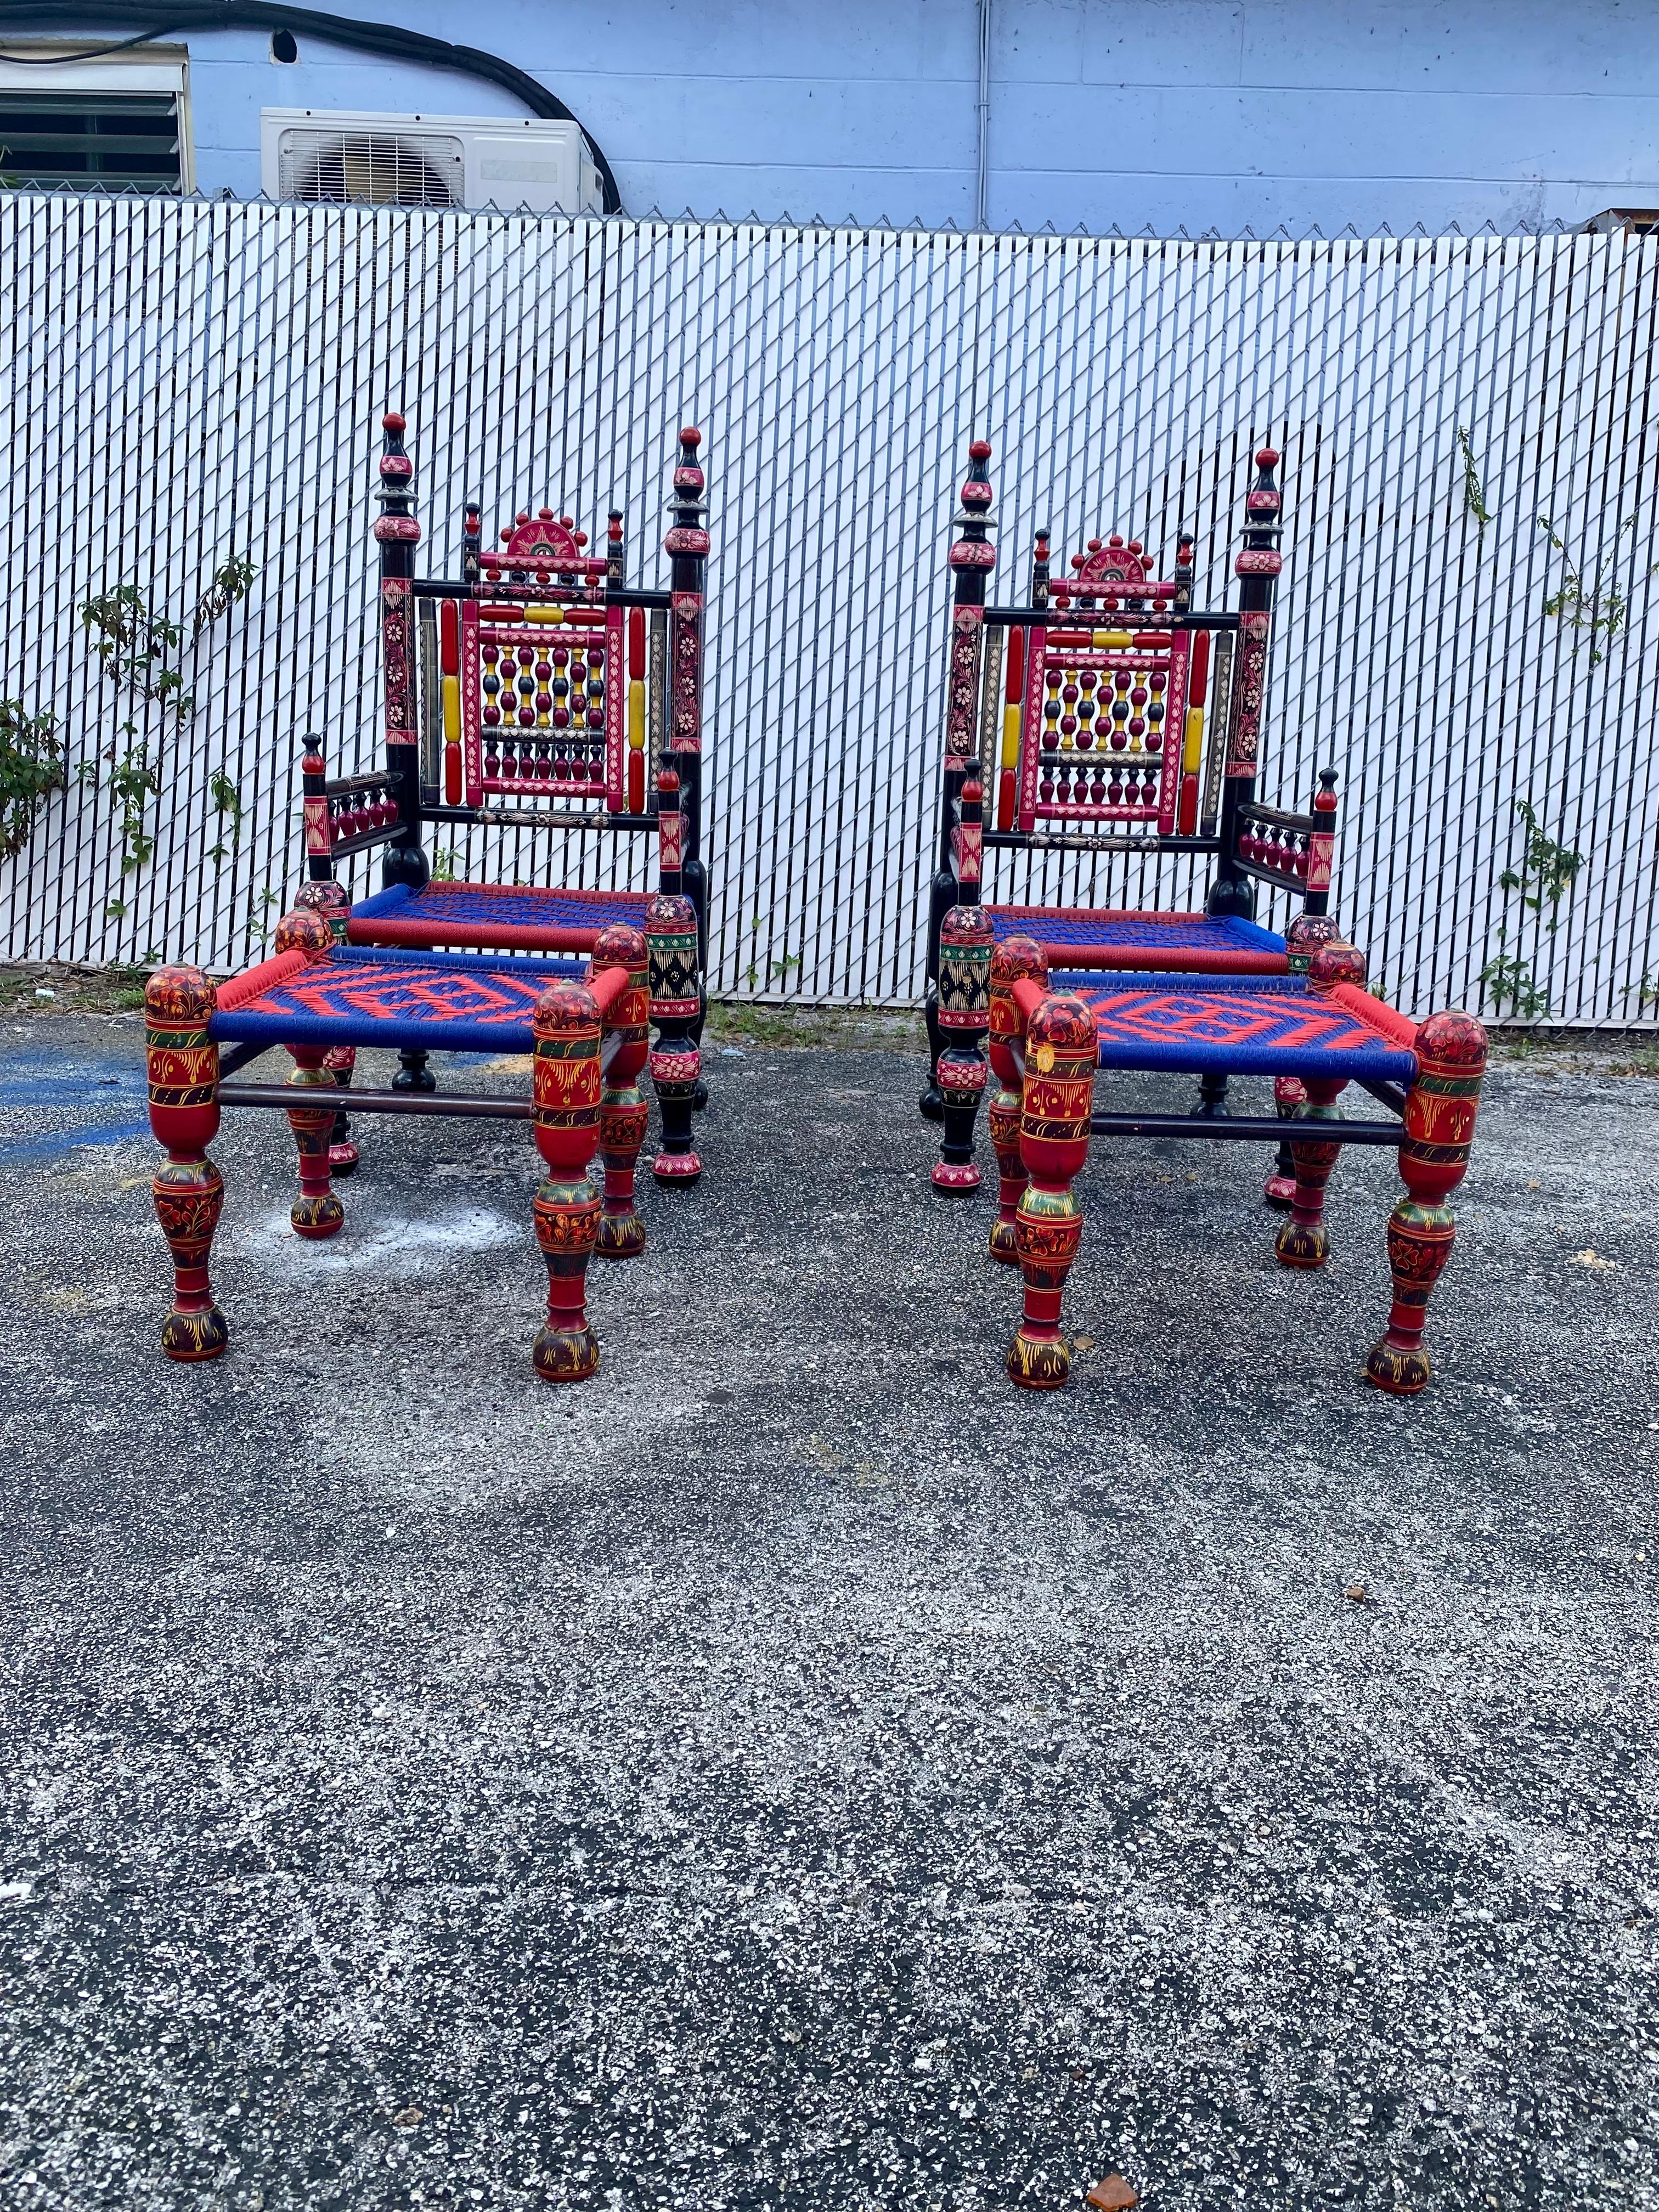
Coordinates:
<point>317,1212</point>
<point>623,1110</point>
<point>1279,1189</point>
<point>1305,1241</point>
<point>966,943</point>
<point>1016,959</point>
<point>1060,1055</point>
<point>340,1060</point>
<point>182,1067</point>
<point>1440,1115</point>
<point>670,935</point>
<point>566,1121</point>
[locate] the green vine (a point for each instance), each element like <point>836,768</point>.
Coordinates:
<point>139,648</point>
<point>31,769</point>
<point>1475,498</point>
<point>1547,873</point>
<point>1598,606</point>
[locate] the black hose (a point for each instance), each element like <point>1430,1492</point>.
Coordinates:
<point>162,20</point>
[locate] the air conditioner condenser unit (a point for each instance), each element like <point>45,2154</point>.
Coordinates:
<point>339,155</point>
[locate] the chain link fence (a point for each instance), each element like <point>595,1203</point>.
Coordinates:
<point>1467,629</point>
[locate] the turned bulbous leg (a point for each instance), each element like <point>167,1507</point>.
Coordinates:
<point>1279,1189</point>
<point>1305,1241</point>
<point>674,1069</point>
<point>1419,1245</point>
<point>340,1060</point>
<point>567,1216</point>
<point>317,1212</point>
<point>1003,1118</point>
<point>623,1118</point>
<point>189,1194</point>
<point>1049,1229</point>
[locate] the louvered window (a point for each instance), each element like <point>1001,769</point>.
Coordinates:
<point>102,141</point>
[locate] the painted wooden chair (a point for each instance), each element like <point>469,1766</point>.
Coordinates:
<point>1109,717</point>
<point>538,691</point>
<point>1047,1034</point>
<point>318,994</point>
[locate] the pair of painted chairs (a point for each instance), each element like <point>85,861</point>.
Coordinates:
<point>1105,717</point>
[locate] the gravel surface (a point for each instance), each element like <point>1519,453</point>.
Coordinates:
<point>794,1770</point>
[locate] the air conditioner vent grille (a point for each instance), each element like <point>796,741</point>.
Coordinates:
<point>411,169</point>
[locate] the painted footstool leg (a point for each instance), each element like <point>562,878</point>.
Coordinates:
<point>1017,959</point>
<point>966,944</point>
<point>183,1070</point>
<point>623,1110</point>
<point>327,897</point>
<point>566,1120</point>
<point>670,936</point>
<point>1279,1189</point>
<point>1061,1057</point>
<point>1305,1241</point>
<point>317,1212</point>
<point>1440,1113</point>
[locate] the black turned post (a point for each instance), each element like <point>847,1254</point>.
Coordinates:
<point>1257,567</point>
<point>398,533</point>
<point>687,544</point>
<point>1183,573</point>
<point>1039,571</point>
<point>319,823</point>
<point>613,550</point>
<point>972,557</point>
<point>473,545</point>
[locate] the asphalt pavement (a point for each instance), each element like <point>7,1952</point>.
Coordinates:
<point>794,1769</point>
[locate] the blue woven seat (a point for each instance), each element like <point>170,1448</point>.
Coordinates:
<point>421,1001</point>
<point>1241,1025</point>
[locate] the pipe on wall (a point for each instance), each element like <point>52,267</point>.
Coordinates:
<point>982,192</point>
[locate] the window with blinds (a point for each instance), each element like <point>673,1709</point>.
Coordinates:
<point>103,142</point>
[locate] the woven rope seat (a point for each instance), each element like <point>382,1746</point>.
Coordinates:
<point>444,1001</point>
<point>493,916</point>
<point>1116,938</point>
<point>1244,1025</point>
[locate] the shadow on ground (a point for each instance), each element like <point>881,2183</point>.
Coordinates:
<point>794,1770</point>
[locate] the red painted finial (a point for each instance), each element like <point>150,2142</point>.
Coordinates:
<point>979,450</point>
<point>393,423</point>
<point>667,780</point>
<point>690,435</point>
<point>1267,457</point>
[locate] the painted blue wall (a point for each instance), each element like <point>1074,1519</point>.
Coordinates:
<point>1134,112</point>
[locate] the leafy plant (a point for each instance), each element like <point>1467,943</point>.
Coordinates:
<point>229,801</point>
<point>132,781</point>
<point>1598,606</point>
<point>1548,871</point>
<point>138,647</point>
<point>31,769</point>
<point>443,865</point>
<point>1509,978</point>
<point>1474,500</point>
<point>229,584</point>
